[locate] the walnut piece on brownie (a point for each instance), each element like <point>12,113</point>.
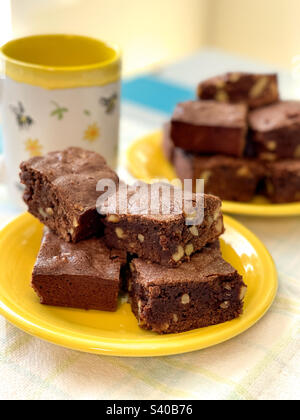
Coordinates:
<point>283,181</point>
<point>61,191</point>
<point>210,127</point>
<point>255,90</point>
<point>206,291</point>
<point>275,131</point>
<point>229,178</point>
<point>84,275</point>
<point>163,228</point>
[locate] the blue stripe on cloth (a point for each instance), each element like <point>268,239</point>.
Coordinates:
<point>149,91</point>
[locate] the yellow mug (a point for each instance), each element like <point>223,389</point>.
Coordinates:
<point>57,91</point>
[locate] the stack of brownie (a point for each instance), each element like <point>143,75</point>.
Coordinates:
<point>74,267</point>
<point>239,137</point>
<point>169,261</point>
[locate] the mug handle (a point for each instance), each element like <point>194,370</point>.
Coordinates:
<point>2,168</point>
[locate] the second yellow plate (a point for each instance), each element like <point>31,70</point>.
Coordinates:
<point>118,334</point>
<point>147,162</point>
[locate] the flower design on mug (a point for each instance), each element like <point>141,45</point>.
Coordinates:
<point>92,133</point>
<point>59,111</point>
<point>33,147</point>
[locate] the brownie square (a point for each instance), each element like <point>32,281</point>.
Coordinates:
<point>206,291</point>
<point>84,275</point>
<point>232,179</point>
<point>61,191</point>
<point>162,237</point>
<point>210,127</point>
<point>283,181</point>
<point>255,90</point>
<point>275,131</point>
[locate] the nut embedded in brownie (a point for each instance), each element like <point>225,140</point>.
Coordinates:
<point>275,131</point>
<point>210,127</point>
<point>61,191</point>
<point>206,291</point>
<point>163,237</point>
<point>283,181</point>
<point>84,275</point>
<point>255,90</point>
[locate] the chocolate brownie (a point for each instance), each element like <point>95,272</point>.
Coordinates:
<point>167,143</point>
<point>283,181</point>
<point>61,191</point>
<point>275,131</point>
<point>210,127</point>
<point>206,291</point>
<point>84,275</point>
<point>233,179</point>
<point>163,231</point>
<point>255,90</point>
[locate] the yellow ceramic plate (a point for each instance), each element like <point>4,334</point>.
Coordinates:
<point>118,333</point>
<point>147,162</point>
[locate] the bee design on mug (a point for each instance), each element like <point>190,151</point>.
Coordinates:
<point>23,120</point>
<point>109,103</point>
